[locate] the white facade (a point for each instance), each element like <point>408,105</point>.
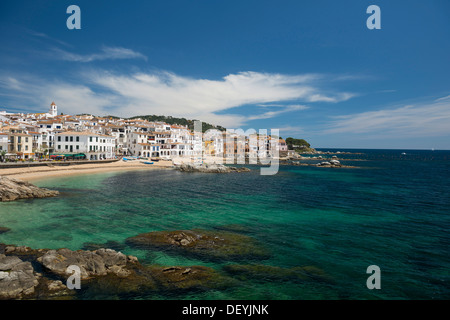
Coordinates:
<point>3,142</point>
<point>53,112</point>
<point>94,146</point>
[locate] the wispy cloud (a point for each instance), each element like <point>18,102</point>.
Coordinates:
<point>211,100</point>
<point>44,36</point>
<point>106,53</point>
<point>283,109</point>
<point>289,131</point>
<point>426,119</point>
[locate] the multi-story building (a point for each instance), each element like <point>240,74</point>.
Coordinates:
<point>92,145</point>
<point>4,142</point>
<point>21,144</point>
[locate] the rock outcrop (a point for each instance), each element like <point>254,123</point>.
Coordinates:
<point>13,189</point>
<point>91,263</point>
<point>27,273</point>
<point>210,168</point>
<point>203,244</point>
<point>17,277</point>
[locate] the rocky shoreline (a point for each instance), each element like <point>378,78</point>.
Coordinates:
<point>13,189</point>
<point>42,274</point>
<point>209,168</point>
<point>27,273</point>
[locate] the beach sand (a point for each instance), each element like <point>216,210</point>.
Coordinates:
<point>37,173</point>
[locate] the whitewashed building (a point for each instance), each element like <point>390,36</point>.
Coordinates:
<point>94,146</point>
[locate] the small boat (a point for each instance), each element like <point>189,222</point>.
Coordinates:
<point>147,162</point>
<point>403,153</point>
<point>155,159</point>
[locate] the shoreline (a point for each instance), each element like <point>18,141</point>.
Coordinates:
<point>37,173</point>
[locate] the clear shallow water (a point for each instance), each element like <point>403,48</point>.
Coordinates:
<point>393,212</point>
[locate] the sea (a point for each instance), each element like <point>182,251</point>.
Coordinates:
<point>389,209</point>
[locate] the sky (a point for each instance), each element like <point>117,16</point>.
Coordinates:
<point>312,69</point>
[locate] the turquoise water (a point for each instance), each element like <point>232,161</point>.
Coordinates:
<point>392,211</point>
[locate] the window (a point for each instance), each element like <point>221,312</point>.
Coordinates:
<point>66,147</point>
<point>26,148</point>
<point>59,138</point>
<point>49,126</point>
<point>71,139</point>
<point>67,138</point>
<point>78,147</point>
<point>78,139</point>
<point>90,139</point>
<point>19,139</point>
<point>59,146</point>
<point>26,139</point>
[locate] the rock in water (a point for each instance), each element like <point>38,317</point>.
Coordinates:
<point>17,278</point>
<point>209,168</point>
<point>91,263</point>
<point>203,244</point>
<point>13,189</point>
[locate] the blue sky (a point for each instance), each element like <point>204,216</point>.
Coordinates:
<point>309,68</point>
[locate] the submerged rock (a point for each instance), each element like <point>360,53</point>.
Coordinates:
<point>4,229</point>
<point>203,244</point>
<point>14,189</point>
<point>209,168</point>
<point>188,278</point>
<point>261,272</point>
<point>110,244</point>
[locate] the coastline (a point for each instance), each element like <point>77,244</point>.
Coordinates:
<point>37,173</point>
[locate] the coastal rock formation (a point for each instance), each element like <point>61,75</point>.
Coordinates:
<point>4,229</point>
<point>209,168</point>
<point>193,277</point>
<point>110,244</point>
<point>324,164</point>
<point>91,263</point>
<point>13,189</point>
<point>27,273</point>
<point>17,278</point>
<point>203,244</point>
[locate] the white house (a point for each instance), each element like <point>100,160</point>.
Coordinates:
<point>143,144</point>
<point>3,142</point>
<point>94,146</point>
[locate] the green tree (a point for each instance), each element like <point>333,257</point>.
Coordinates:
<point>297,144</point>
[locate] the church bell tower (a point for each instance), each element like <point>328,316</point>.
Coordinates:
<point>53,110</point>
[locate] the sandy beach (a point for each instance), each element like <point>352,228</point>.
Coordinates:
<point>36,173</point>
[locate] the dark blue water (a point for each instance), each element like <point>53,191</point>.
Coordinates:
<point>392,211</point>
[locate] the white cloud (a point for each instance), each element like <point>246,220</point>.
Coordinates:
<point>271,114</point>
<point>158,92</point>
<point>427,119</point>
<point>107,53</point>
<point>101,93</point>
<point>289,131</point>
